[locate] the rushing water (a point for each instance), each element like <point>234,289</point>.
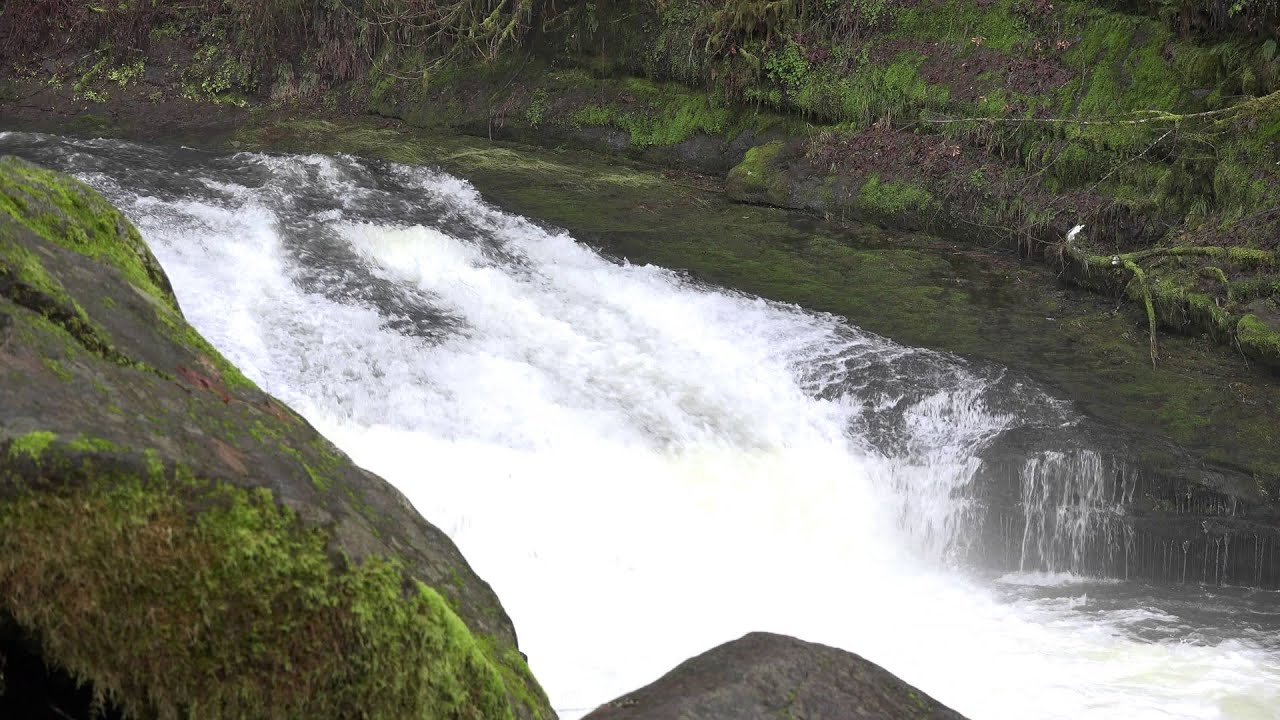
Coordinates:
<point>644,467</point>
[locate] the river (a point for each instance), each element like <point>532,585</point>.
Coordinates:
<point>644,466</point>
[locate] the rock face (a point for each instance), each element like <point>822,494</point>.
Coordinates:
<point>180,541</point>
<point>767,676</point>
<point>1102,501</point>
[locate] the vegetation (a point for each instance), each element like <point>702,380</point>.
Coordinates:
<point>238,611</point>
<point>1153,123</point>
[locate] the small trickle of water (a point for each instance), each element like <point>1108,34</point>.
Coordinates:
<point>1073,504</point>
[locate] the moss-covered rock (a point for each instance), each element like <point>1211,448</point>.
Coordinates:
<point>757,178</point>
<point>1259,340</point>
<point>183,543</point>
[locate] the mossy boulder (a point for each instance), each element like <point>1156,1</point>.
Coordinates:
<point>763,676</point>
<point>1259,337</point>
<point>184,544</point>
<point>759,178</point>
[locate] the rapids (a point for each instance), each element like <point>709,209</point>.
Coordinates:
<point>644,466</point>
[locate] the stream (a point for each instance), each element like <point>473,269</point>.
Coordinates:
<point>644,466</point>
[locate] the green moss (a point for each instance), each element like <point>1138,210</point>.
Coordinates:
<point>69,213</point>
<point>1257,286</point>
<point>92,444</point>
<point>237,611</point>
<point>998,25</point>
<point>894,198</point>
<point>56,367</point>
<point>1180,308</point>
<point>320,482</point>
<point>1258,340</point>
<point>32,445</point>
<point>657,114</point>
<point>752,175</point>
<point>870,93</point>
<point>516,676</point>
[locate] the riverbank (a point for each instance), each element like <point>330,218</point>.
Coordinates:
<point>1005,123</point>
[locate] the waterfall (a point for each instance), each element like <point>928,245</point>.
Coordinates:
<point>1073,509</point>
<point>643,466</point>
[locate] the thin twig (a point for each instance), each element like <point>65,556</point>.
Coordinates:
<point>1121,164</point>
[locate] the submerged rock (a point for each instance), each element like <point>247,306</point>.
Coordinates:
<point>767,676</point>
<point>176,540</point>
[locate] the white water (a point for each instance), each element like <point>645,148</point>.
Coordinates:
<point>643,468</point>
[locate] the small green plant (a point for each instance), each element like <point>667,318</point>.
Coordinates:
<point>165,32</point>
<point>217,77</point>
<point>126,75</point>
<point>84,86</point>
<point>788,68</point>
<point>537,108</point>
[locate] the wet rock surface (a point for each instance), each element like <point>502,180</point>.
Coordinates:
<point>1101,502</point>
<point>763,676</point>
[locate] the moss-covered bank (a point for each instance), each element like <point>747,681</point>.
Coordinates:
<point>1003,122</point>
<point>181,542</point>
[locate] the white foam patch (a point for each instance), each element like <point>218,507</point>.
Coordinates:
<point>1052,579</point>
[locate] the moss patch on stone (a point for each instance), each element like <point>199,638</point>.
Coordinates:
<point>69,214</point>
<point>1259,340</point>
<point>232,610</point>
<point>754,178</point>
<point>894,199</point>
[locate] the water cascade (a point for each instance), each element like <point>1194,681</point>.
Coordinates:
<point>643,466</point>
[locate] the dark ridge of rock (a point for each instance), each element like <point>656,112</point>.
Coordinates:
<point>176,539</point>
<point>763,676</point>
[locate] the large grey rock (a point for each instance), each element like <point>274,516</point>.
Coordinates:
<point>762,676</point>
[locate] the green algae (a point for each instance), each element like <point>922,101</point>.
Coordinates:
<point>236,610</point>
<point>32,445</point>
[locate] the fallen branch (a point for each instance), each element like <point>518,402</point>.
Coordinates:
<point>1153,116</point>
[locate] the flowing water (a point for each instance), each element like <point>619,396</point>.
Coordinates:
<point>644,467</point>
